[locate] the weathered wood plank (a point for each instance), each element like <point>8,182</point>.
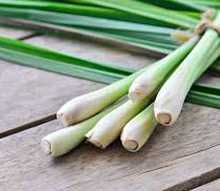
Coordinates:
<point>30,94</point>
<point>212,186</point>
<point>173,156</point>
<point>178,175</point>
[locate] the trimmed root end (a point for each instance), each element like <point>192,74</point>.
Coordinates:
<point>130,145</point>
<point>46,146</point>
<point>164,119</point>
<point>66,121</point>
<point>96,143</point>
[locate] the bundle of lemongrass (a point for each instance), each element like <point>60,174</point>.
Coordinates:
<point>156,95</point>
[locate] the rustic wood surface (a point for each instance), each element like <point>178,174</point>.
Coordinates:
<point>181,157</point>
<point>173,157</point>
<point>212,186</point>
<point>32,94</point>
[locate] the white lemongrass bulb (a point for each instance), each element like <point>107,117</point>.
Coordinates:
<point>152,78</point>
<point>110,126</point>
<point>87,105</point>
<point>170,99</point>
<point>137,132</point>
<point>64,140</point>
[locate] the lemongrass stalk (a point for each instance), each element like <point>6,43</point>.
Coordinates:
<point>87,105</point>
<point>137,132</point>
<point>110,126</point>
<point>156,74</point>
<point>170,99</point>
<point>64,140</point>
<point>84,106</point>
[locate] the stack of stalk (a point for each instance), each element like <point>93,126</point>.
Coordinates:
<point>156,93</point>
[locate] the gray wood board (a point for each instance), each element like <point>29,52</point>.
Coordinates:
<point>29,94</point>
<point>175,158</point>
<point>212,186</point>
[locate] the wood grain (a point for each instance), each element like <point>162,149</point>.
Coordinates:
<point>173,159</point>
<point>30,94</point>
<point>212,186</point>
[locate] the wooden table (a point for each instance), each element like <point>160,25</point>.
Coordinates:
<point>185,156</point>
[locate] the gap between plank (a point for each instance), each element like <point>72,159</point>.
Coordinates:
<point>28,125</point>
<point>26,37</point>
<point>196,181</point>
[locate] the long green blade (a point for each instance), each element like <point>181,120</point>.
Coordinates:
<point>146,10</point>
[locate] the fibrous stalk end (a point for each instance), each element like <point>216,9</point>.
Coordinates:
<point>130,145</point>
<point>46,146</point>
<point>164,118</point>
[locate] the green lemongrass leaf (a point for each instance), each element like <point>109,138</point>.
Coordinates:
<point>146,10</point>
<point>72,9</point>
<point>147,44</point>
<point>25,54</point>
<point>203,98</point>
<point>81,21</point>
<point>161,47</point>
<point>179,5</point>
<point>58,7</point>
<point>206,89</point>
<point>128,42</point>
<point>206,3</point>
<point>188,4</point>
<point>192,14</point>
<point>134,40</point>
